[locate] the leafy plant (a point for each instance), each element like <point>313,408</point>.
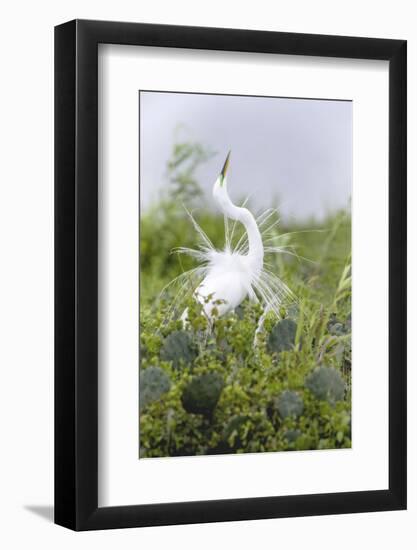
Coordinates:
<point>186,157</point>
<point>282,336</point>
<point>201,395</point>
<point>289,403</point>
<point>326,383</point>
<point>153,383</point>
<point>292,435</point>
<point>179,348</point>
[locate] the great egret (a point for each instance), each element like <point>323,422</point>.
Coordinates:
<point>226,277</point>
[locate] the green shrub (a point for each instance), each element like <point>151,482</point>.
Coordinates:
<point>179,348</point>
<point>234,432</point>
<point>153,383</point>
<point>201,395</point>
<point>282,336</point>
<point>289,403</point>
<point>326,383</point>
<point>292,435</point>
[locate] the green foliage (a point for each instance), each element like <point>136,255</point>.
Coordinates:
<point>201,394</point>
<point>289,403</point>
<point>236,397</point>
<point>234,432</point>
<point>178,348</point>
<point>153,383</point>
<point>185,159</point>
<point>247,407</point>
<point>292,435</point>
<point>326,383</point>
<point>282,336</point>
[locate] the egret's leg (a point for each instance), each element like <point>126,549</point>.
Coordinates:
<point>184,318</point>
<point>260,325</point>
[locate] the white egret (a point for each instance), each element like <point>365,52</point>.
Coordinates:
<point>224,278</point>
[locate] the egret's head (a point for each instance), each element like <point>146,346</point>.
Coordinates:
<point>220,193</point>
<point>222,177</point>
<point>220,185</point>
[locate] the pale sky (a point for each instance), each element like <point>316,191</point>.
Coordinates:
<point>295,152</point>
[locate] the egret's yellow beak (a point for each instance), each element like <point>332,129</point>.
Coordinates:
<point>224,169</point>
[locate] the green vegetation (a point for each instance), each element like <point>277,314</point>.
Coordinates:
<point>211,392</point>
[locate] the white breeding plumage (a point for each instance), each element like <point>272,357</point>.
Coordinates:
<point>224,278</point>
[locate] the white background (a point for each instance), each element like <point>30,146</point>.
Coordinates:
<point>123,479</point>
<point>26,301</point>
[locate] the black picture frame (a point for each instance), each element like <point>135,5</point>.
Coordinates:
<point>76,272</point>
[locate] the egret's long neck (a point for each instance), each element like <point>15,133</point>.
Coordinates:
<point>243,215</point>
<point>256,247</point>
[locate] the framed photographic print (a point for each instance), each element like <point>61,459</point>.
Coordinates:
<point>230,252</point>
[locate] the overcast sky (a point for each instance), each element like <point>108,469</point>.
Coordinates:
<point>295,152</point>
